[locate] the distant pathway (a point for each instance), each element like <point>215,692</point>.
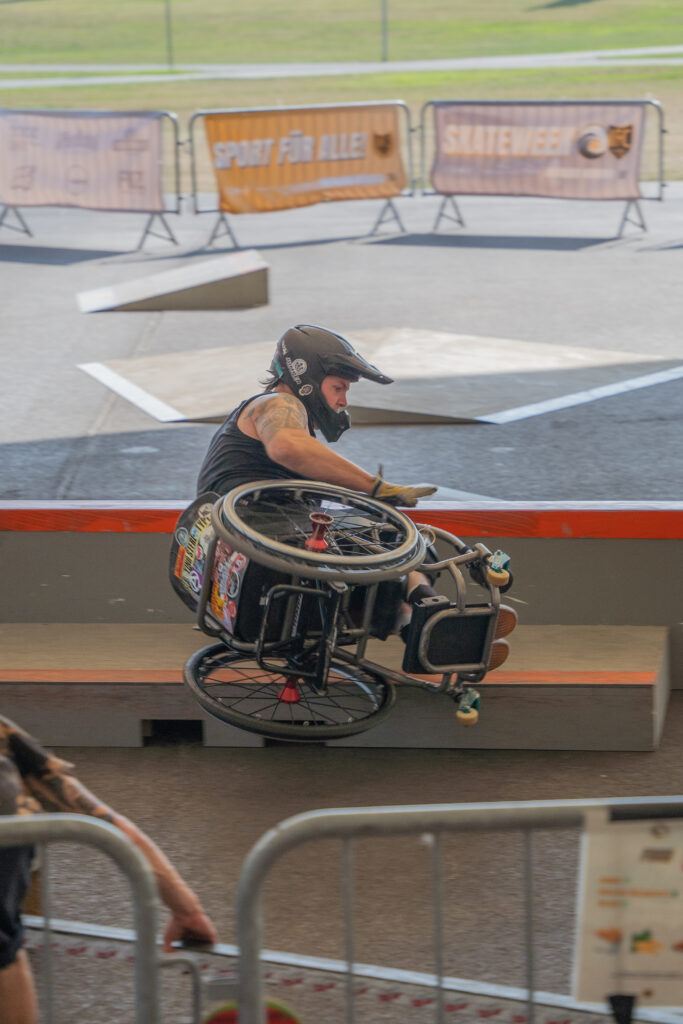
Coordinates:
<point>106,74</point>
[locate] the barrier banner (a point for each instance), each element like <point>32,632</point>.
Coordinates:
<point>557,150</point>
<point>277,159</point>
<point>630,912</point>
<point>96,160</point>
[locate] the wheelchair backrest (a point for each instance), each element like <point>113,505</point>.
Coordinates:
<point>238,584</point>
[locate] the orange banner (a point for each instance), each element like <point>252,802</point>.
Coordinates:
<point>97,160</point>
<point>276,159</point>
<point>559,150</point>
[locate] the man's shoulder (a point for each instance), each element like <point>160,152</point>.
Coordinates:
<point>272,413</point>
<point>280,405</point>
<point>274,398</point>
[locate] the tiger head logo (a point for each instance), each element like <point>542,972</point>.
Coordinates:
<point>383,142</point>
<point>619,139</point>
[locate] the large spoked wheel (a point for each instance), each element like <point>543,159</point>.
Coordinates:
<point>366,540</point>
<point>234,688</point>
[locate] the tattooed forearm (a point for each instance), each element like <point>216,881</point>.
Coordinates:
<point>279,412</point>
<point>65,793</point>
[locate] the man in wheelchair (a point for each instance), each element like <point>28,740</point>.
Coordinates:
<point>271,436</point>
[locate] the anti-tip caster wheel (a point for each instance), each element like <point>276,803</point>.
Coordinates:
<point>467,716</point>
<point>498,577</point>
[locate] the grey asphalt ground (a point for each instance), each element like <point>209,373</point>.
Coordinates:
<point>529,269</point>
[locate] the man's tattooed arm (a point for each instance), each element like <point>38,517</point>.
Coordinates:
<point>58,790</point>
<point>275,413</point>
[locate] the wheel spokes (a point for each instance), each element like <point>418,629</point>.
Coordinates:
<point>256,693</point>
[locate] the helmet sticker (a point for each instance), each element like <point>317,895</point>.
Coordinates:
<point>296,367</point>
<point>305,389</point>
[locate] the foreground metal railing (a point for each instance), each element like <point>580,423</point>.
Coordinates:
<point>351,824</point>
<point>48,828</point>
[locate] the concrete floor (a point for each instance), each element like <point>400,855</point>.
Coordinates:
<point>206,807</point>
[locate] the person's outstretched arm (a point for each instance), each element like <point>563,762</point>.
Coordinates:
<point>49,781</point>
<point>280,422</point>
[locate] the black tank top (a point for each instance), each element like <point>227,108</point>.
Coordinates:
<point>234,458</point>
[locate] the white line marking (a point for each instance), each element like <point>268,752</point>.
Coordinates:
<point>131,392</point>
<point>663,1015</point>
<point>522,412</point>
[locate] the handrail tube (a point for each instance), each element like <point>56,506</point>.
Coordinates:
<point>78,828</point>
<point>340,823</point>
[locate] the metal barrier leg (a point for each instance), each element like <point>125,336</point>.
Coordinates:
<point>639,223</point>
<point>169,236</point>
<point>388,212</point>
<point>457,217</point>
<point>216,233</point>
<point>437,903</point>
<point>190,965</point>
<point>46,961</point>
<point>529,923</point>
<point>349,945</point>
<point>23,229</point>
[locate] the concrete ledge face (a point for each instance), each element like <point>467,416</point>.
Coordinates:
<point>553,719</point>
<point>234,281</point>
<point>109,714</point>
<point>101,570</point>
<point>565,688</point>
<point>122,577</point>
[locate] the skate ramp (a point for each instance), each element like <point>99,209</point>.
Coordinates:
<point>233,281</point>
<point>439,378</point>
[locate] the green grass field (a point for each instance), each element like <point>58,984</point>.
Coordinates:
<point>51,31</point>
<point>212,31</point>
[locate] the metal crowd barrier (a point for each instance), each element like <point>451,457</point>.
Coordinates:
<point>42,829</point>
<point>222,224</point>
<point>449,209</point>
<point>70,197</point>
<point>439,819</point>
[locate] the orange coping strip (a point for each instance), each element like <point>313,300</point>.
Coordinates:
<point>82,675</point>
<point>609,524</point>
<point>641,523</point>
<point>573,678</point>
<point>549,678</point>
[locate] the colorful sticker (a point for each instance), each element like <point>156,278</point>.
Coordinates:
<point>229,568</point>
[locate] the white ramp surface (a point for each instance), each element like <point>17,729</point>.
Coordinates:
<point>438,378</point>
<point>232,281</point>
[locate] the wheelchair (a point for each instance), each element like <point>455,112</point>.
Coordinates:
<point>293,578</point>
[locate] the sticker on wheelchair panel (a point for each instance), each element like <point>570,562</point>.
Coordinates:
<point>191,539</point>
<point>229,568</point>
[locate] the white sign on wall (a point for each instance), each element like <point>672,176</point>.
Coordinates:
<point>630,913</point>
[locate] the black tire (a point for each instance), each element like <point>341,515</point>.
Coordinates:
<point>368,540</point>
<point>355,700</point>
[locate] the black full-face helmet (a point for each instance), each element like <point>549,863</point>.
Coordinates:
<point>304,356</point>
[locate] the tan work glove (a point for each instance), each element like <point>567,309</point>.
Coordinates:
<point>395,494</point>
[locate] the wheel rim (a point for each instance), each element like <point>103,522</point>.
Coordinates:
<point>238,691</point>
<point>366,539</point>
